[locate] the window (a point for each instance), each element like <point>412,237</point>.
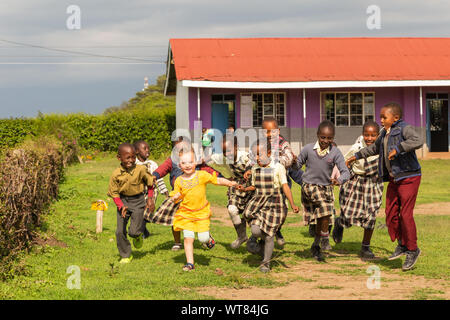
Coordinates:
<point>348,109</point>
<point>230,100</point>
<point>266,105</point>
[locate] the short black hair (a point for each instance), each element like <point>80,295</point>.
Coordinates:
<point>138,143</point>
<point>270,119</point>
<point>125,145</point>
<point>371,123</point>
<point>395,108</point>
<point>326,124</point>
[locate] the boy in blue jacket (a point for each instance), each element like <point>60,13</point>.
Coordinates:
<point>398,164</point>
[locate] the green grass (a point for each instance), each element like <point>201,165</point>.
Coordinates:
<point>155,272</point>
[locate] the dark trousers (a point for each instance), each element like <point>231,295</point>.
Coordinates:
<point>135,214</point>
<point>400,200</point>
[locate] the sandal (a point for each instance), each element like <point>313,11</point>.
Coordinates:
<point>210,244</point>
<point>188,267</point>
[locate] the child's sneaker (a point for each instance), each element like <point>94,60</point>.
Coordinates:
<point>146,233</point>
<point>210,244</point>
<point>411,259</point>
<point>177,246</point>
<point>265,267</point>
<point>126,260</point>
<point>366,253</point>
<point>138,241</point>
<point>399,251</point>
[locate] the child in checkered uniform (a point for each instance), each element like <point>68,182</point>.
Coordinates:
<point>142,154</point>
<point>317,184</point>
<point>266,211</point>
<point>232,164</point>
<point>361,196</point>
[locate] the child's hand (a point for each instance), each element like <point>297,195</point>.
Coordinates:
<point>240,187</point>
<point>247,174</point>
<point>233,184</point>
<point>334,182</point>
<point>349,161</point>
<point>295,209</point>
<point>392,154</point>
<point>150,205</point>
<point>123,211</point>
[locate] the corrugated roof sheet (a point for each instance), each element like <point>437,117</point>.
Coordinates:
<point>311,59</point>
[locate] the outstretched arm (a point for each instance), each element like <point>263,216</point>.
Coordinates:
<point>287,191</point>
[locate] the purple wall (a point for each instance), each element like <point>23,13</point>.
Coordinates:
<point>408,97</point>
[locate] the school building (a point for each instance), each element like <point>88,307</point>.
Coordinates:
<point>302,81</point>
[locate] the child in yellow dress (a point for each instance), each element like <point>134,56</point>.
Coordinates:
<point>193,214</point>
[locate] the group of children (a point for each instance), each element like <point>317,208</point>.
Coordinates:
<point>259,189</point>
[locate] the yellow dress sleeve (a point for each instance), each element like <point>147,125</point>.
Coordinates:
<point>205,177</point>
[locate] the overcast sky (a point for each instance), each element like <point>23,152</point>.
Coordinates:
<point>35,79</point>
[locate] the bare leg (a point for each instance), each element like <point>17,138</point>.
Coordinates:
<point>189,249</point>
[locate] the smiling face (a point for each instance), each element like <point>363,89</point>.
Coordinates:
<point>187,162</point>
<point>127,157</point>
<point>143,151</point>
<point>370,135</point>
<point>387,117</point>
<point>325,137</point>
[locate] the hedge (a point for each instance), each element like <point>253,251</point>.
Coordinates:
<point>95,132</point>
<point>29,178</point>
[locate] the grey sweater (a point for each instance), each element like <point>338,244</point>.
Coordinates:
<point>319,169</point>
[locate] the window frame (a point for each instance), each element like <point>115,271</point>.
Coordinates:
<point>274,107</point>
<point>349,114</point>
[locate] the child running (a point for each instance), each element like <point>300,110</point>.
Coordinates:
<point>398,164</point>
<point>266,211</point>
<point>232,164</point>
<point>142,154</point>
<point>164,214</point>
<point>361,196</point>
<point>317,184</point>
<point>126,187</point>
<point>194,212</point>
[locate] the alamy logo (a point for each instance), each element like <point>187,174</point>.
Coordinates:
<point>74,281</point>
<point>73,22</point>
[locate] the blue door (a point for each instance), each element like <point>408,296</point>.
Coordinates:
<point>219,116</point>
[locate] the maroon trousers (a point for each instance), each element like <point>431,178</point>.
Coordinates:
<point>400,200</point>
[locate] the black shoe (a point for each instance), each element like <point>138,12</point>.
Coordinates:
<point>312,230</point>
<point>399,251</point>
<point>280,239</point>
<point>317,253</point>
<point>146,233</point>
<point>338,231</point>
<point>261,244</point>
<point>411,259</point>
<point>366,253</point>
<point>252,245</point>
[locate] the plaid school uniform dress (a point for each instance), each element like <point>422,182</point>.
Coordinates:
<point>164,214</point>
<point>360,198</point>
<point>318,202</point>
<point>267,208</point>
<point>235,197</point>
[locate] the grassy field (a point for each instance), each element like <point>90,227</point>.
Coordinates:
<point>155,272</point>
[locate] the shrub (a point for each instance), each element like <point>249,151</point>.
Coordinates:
<point>29,178</point>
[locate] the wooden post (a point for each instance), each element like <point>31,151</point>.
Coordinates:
<point>99,225</point>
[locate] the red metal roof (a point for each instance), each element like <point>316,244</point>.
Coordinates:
<point>311,59</point>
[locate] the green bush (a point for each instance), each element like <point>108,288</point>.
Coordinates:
<point>96,132</point>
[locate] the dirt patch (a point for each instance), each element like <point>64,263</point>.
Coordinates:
<point>320,281</point>
<point>51,241</point>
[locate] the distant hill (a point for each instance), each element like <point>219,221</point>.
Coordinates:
<point>150,98</point>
